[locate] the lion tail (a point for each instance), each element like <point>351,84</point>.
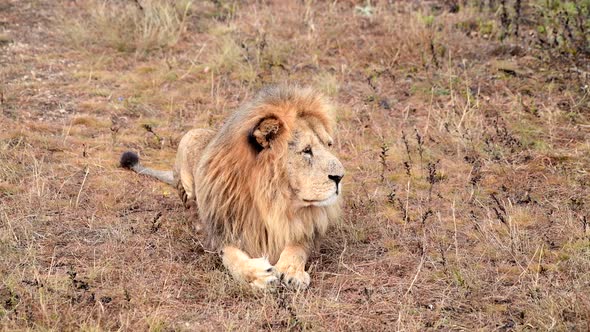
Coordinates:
<point>130,160</point>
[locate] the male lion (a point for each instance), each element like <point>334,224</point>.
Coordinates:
<point>265,186</point>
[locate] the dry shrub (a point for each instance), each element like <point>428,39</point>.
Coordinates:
<point>129,26</point>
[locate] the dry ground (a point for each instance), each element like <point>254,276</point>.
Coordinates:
<point>468,160</point>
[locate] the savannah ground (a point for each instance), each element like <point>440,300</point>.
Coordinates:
<point>464,128</point>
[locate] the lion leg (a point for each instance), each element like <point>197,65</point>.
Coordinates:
<point>291,266</point>
<point>256,271</point>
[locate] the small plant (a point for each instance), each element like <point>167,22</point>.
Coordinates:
<point>383,160</point>
<point>150,130</point>
<point>391,196</point>
<point>517,12</point>
<point>504,20</point>
<point>433,53</point>
<point>367,10</point>
<point>433,177</point>
<point>406,145</point>
<point>564,25</point>
<point>420,142</point>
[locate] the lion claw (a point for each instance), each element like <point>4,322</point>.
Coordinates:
<point>297,281</point>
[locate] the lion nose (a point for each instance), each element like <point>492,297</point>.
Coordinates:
<point>335,178</point>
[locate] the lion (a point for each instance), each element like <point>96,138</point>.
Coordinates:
<point>265,186</point>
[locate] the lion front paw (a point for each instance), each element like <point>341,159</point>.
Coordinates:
<point>261,275</point>
<point>293,277</point>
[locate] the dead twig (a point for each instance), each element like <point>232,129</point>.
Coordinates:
<point>82,186</point>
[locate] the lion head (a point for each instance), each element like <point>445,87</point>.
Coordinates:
<point>312,172</point>
<point>268,177</point>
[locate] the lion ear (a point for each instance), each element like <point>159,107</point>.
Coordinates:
<point>263,134</point>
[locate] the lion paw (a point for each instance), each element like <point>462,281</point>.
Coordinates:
<point>295,278</point>
<point>262,275</point>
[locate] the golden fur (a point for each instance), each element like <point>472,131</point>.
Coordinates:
<point>263,185</point>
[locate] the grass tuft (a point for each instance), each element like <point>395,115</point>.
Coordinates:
<point>128,26</point>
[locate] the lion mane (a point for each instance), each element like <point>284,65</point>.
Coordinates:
<point>243,192</point>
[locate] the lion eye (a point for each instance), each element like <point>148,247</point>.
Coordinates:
<point>307,151</point>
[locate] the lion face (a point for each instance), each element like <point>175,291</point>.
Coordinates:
<point>314,173</point>
<point>292,129</point>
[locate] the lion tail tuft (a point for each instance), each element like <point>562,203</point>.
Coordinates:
<point>130,160</point>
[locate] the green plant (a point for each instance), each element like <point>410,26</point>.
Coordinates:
<point>564,25</point>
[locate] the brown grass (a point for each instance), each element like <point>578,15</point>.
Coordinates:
<point>475,218</point>
<point>127,26</point>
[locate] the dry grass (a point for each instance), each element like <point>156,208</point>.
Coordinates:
<point>127,26</point>
<point>468,165</point>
